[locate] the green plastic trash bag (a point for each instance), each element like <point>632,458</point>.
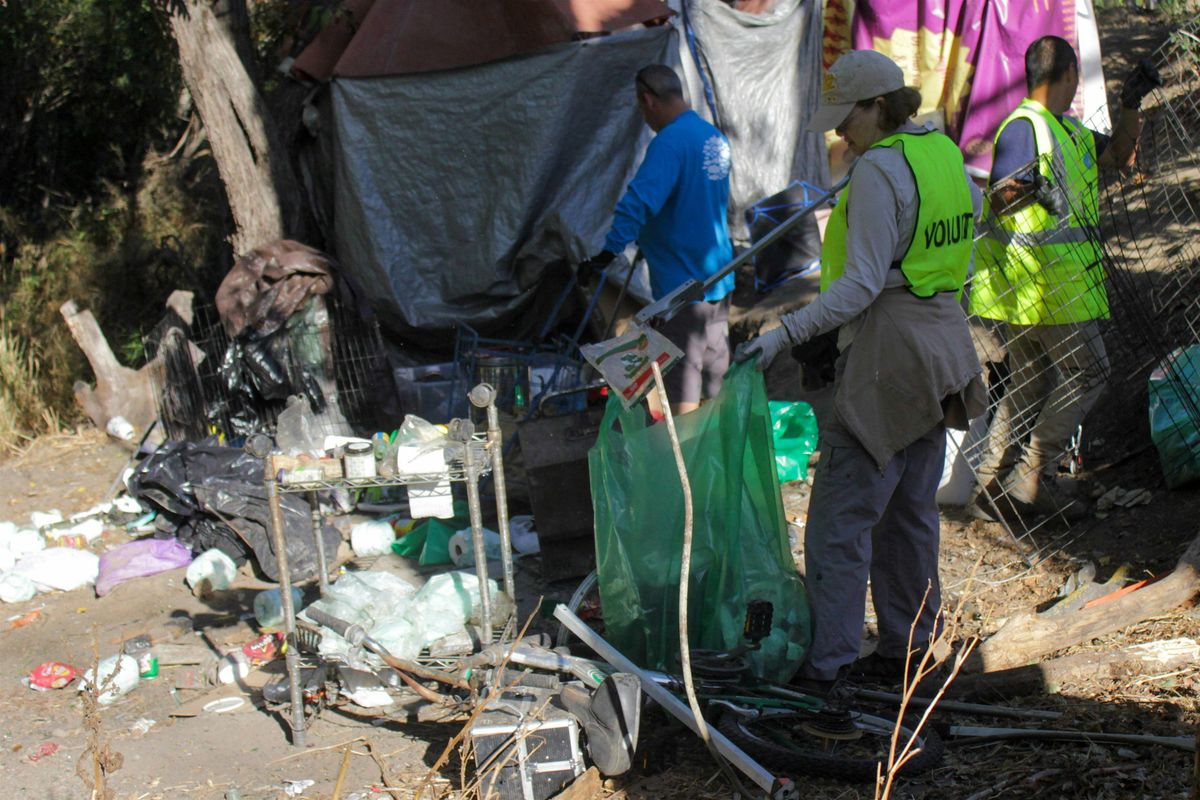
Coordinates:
<point>429,541</point>
<point>739,540</point>
<point>794,433</point>
<point>1175,415</point>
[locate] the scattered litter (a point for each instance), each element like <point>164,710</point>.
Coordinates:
<point>89,529</point>
<point>140,649</point>
<point>45,750</point>
<point>372,538</point>
<point>128,505</point>
<point>236,664</point>
<point>44,519</point>
<point>61,568</point>
<point>16,588</point>
<point>223,705</point>
<point>120,428</point>
<point>462,548</point>
<point>52,675</point>
<point>1121,498</point>
<point>117,675</point>
<point>141,727</point>
<point>139,559</point>
<point>268,607</point>
<point>212,570</point>
<point>21,620</point>
<point>296,788</point>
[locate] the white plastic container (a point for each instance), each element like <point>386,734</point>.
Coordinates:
<point>115,677</point>
<point>211,565</point>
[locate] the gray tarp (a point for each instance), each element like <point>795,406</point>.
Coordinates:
<point>765,70</point>
<point>455,189</point>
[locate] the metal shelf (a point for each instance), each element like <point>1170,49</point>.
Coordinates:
<point>455,472</point>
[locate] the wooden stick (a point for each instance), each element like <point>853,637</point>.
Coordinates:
<point>341,776</point>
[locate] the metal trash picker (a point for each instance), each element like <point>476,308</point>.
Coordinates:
<point>693,290</point>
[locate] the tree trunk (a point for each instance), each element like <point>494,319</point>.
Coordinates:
<point>250,156</point>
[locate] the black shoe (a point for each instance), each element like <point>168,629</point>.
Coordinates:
<point>882,669</point>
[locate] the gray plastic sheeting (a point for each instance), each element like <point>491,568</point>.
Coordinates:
<point>765,70</point>
<point>456,189</point>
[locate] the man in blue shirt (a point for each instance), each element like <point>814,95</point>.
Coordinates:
<point>676,209</point>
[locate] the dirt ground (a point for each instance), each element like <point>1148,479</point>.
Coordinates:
<point>208,755</point>
<point>44,736</point>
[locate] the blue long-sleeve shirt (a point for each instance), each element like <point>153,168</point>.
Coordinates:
<point>676,207</point>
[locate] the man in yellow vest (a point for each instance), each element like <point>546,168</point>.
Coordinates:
<point>1039,270</point>
<point>893,263</point>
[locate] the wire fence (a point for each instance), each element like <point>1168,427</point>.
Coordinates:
<point>1076,298</point>
<point>327,354</point>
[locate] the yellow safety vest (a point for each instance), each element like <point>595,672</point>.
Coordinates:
<point>1033,267</point>
<point>940,248</point>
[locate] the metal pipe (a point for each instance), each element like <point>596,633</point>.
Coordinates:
<point>292,656</point>
<point>957,705</point>
<point>484,396</point>
<point>465,430</point>
<point>749,767</point>
<point>317,525</point>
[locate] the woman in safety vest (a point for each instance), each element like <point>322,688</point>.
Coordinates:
<point>895,257</point>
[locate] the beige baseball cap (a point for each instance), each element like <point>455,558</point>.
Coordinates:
<point>855,76</point>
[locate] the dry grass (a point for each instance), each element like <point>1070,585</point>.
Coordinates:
<point>23,411</point>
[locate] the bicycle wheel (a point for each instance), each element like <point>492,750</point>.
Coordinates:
<point>585,602</point>
<point>847,745</point>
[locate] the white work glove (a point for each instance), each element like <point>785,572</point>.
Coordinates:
<point>764,348</point>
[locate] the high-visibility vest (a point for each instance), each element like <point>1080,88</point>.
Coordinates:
<point>940,250</point>
<point>1036,267</point>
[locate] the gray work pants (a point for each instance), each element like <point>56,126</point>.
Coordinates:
<point>1058,372</point>
<point>863,521</point>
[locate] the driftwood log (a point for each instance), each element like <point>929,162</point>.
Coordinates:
<point>1028,635</point>
<point>1152,658</point>
<point>119,391</point>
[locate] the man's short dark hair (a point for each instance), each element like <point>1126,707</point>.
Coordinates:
<point>660,81</point>
<point>1047,60</point>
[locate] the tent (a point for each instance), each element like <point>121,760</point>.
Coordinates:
<point>462,150</point>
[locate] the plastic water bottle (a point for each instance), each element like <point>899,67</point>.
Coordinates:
<point>268,607</point>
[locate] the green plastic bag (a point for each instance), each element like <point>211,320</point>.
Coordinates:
<point>794,433</point>
<point>739,541</point>
<point>1174,427</point>
<point>429,541</point>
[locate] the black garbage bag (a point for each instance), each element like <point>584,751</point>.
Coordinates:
<point>213,496</point>
<point>244,507</point>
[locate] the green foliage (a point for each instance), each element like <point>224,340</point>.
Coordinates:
<point>89,86</point>
<point>89,100</point>
<point>282,28</point>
